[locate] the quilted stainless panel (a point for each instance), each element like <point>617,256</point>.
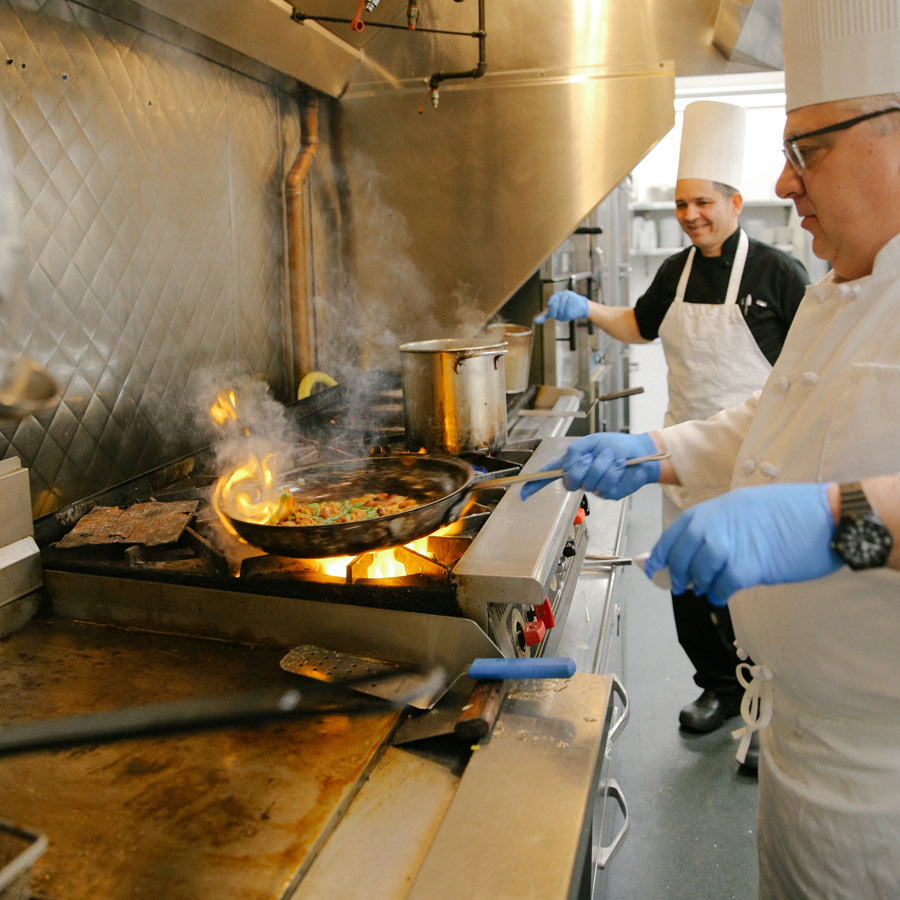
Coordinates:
<point>150,180</point>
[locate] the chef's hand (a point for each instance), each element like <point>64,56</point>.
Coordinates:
<point>770,534</point>
<point>596,464</point>
<point>565,306</point>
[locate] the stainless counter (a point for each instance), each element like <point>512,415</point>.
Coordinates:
<point>319,808</point>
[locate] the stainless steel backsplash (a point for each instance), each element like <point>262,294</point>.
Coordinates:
<point>150,187</point>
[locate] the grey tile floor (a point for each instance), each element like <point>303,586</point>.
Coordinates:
<point>693,814</point>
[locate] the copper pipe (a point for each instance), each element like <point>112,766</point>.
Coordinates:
<point>302,312</point>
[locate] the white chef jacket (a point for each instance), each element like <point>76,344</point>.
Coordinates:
<point>829,649</point>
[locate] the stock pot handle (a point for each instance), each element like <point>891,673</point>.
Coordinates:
<point>471,354</point>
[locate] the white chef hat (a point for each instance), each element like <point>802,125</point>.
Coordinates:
<point>838,49</point>
<point>712,142</point>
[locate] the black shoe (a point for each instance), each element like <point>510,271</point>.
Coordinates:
<point>708,712</point>
<point>751,760</point>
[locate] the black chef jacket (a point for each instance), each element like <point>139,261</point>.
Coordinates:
<point>772,286</point>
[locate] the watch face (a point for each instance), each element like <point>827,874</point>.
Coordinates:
<point>863,542</point>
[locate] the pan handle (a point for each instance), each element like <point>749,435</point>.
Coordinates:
<point>615,395</point>
<point>550,474</point>
<point>517,479</point>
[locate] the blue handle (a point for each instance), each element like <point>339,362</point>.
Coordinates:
<point>522,667</point>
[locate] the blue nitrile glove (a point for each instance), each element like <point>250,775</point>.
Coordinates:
<point>565,306</point>
<point>756,535</point>
<point>596,464</point>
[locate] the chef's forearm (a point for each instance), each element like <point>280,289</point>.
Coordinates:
<point>883,494</point>
<point>617,321</point>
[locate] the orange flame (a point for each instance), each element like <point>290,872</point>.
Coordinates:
<point>247,493</point>
<point>384,564</point>
<point>225,408</point>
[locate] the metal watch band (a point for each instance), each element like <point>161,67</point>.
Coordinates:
<point>853,500</point>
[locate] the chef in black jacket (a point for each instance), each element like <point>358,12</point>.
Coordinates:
<point>722,315</point>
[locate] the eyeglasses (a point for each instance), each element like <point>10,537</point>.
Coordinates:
<point>794,154</point>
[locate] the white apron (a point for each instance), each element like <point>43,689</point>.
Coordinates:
<point>827,675</point>
<point>712,358</point>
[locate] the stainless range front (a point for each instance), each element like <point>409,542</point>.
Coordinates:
<point>508,566</point>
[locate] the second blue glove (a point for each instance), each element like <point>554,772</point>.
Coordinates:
<point>596,464</point>
<point>768,534</point>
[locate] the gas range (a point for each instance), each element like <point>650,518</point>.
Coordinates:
<point>510,569</point>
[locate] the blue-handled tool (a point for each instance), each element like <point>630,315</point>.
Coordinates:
<point>522,667</point>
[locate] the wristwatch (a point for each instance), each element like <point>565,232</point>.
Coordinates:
<point>861,539</point>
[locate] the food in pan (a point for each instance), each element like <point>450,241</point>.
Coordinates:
<point>332,512</point>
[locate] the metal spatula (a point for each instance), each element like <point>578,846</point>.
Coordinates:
<point>367,675</point>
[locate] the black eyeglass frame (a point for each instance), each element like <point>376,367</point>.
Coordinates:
<point>795,157</point>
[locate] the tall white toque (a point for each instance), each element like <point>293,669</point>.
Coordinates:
<point>712,142</point>
<point>838,49</point>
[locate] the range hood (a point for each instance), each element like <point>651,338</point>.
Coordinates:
<point>750,31</point>
<point>445,212</point>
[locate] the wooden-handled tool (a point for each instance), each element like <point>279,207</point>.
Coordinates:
<point>582,413</point>
<point>478,716</point>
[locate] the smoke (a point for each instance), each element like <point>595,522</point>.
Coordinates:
<point>244,423</point>
<point>365,332</point>
<point>468,321</point>
<point>240,416</point>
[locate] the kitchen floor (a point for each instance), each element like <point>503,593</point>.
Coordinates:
<point>693,814</point>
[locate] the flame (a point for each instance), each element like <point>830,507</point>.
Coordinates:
<point>335,565</point>
<point>384,563</point>
<point>247,492</point>
<point>225,408</point>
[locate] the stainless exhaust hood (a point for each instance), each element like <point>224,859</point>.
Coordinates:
<point>750,31</point>
<point>445,212</point>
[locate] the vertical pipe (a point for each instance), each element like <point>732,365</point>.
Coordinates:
<point>302,313</point>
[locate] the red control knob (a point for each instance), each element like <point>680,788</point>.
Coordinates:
<point>534,632</point>
<point>580,515</point>
<point>545,613</point>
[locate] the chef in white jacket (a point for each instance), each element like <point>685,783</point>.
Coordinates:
<point>722,308</point>
<point>805,546</point>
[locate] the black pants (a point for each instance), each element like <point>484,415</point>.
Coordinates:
<point>707,636</point>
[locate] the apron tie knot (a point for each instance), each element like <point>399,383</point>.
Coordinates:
<point>756,704</point>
